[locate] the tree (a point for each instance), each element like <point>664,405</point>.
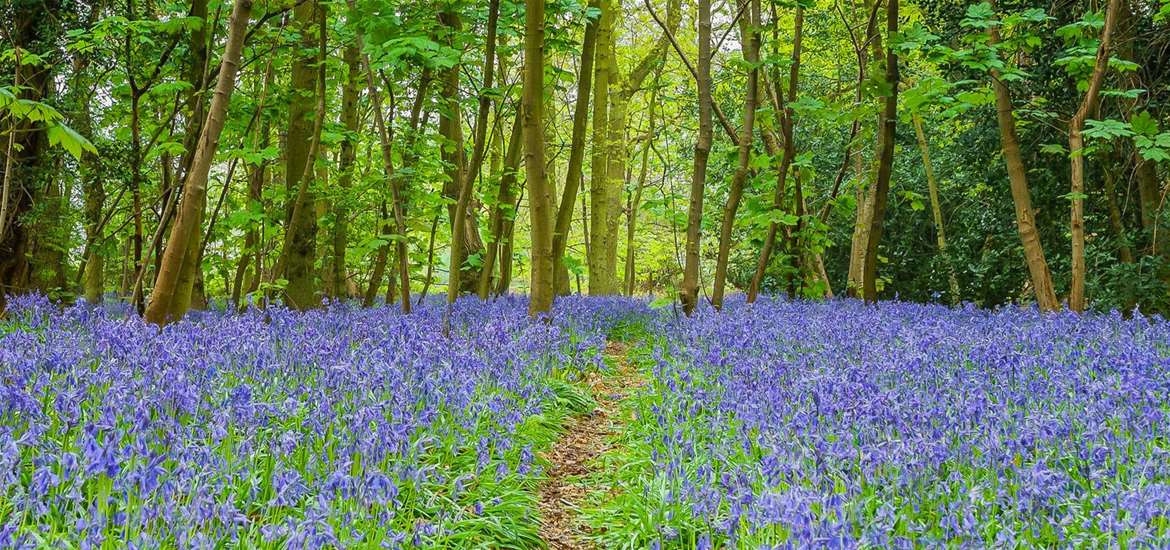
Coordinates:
<point>470,173</point>
<point>600,188</point>
<point>689,291</point>
<point>1076,152</point>
<point>186,226</point>
<point>1021,195</point>
<point>539,197</point>
<point>885,158</point>
<point>577,146</point>
<point>299,256</point>
<point>751,57</point>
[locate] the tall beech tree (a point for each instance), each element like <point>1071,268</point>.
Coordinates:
<point>885,165</point>
<point>1041,277</point>
<point>186,226</point>
<point>1076,153</point>
<point>539,194</point>
<point>689,290</point>
<point>750,35</point>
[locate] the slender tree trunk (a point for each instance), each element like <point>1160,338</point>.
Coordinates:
<point>467,186</point>
<point>787,127</point>
<point>430,259</point>
<point>599,172</point>
<point>92,270</point>
<point>935,206</point>
<point>577,145</point>
<point>398,205</point>
<point>1116,223</point>
<point>751,54</point>
<point>195,186</point>
<point>380,261</point>
<point>347,157</point>
<point>196,72</point>
<point>505,196</point>
<point>636,200</point>
<point>505,282</point>
<point>1021,195</point>
<point>864,188</point>
<point>539,197</point>
<point>1076,145</point>
<point>689,293</point>
<point>615,161</point>
<point>885,160</point>
<point>252,246</point>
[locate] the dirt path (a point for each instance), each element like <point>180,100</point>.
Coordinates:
<point>574,455</point>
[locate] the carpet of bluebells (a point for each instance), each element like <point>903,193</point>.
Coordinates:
<point>771,425</point>
<point>340,427</point>
<point>798,424</point>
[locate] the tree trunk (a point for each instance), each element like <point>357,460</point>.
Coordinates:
<point>577,145</point>
<point>885,160</point>
<point>1116,223</point>
<point>539,198</point>
<point>1021,195</point>
<point>196,76</point>
<point>750,33</point>
<point>636,200</point>
<point>689,293</point>
<point>787,127</point>
<point>469,174</point>
<point>300,255</point>
<point>398,206</point>
<point>347,157</point>
<point>505,196</point>
<point>935,206</point>
<point>615,161</point>
<point>252,252</point>
<point>1076,145</point>
<point>185,228</point>
<point>599,186</point>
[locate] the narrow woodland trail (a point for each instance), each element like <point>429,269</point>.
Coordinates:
<point>574,455</point>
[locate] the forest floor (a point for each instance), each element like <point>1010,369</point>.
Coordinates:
<point>576,454</point>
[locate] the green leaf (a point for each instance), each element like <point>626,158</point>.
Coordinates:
<point>979,16</point>
<point>71,141</point>
<point>1053,149</point>
<point>1107,129</point>
<point>1144,124</point>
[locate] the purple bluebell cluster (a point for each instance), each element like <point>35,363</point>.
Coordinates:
<point>802,424</point>
<point>339,427</point>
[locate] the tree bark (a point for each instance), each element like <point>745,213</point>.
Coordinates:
<point>1021,195</point>
<point>398,206</point>
<point>505,196</point>
<point>635,201</point>
<point>577,145</point>
<point>539,200</point>
<point>751,54</point>
<point>469,174</point>
<point>787,126</point>
<point>196,75</point>
<point>299,257</point>
<point>185,227</point>
<point>1076,145</point>
<point>599,172</point>
<point>347,157</point>
<point>689,292</point>
<point>252,252</point>
<point>935,206</point>
<point>885,159</point>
